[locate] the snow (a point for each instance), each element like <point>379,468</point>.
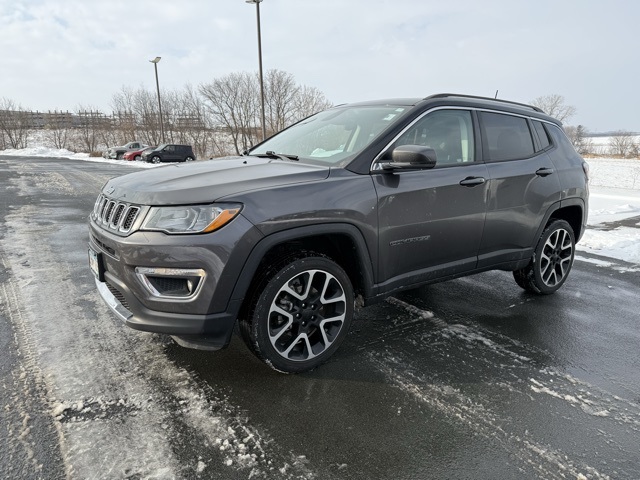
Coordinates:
<point>62,153</point>
<point>614,196</point>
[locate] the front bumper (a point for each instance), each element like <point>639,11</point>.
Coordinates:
<point>186,330</point>
<point>204,321</point>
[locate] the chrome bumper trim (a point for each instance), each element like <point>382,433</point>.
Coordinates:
<point>113,303</point>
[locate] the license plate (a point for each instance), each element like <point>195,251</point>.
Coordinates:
<point>96,264</point>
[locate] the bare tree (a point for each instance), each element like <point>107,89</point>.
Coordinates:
<point>579,139</point>
<point>555,106</point>
<point>140,107</point>
<point>622,143</point>
<point>218,118</point>
<point>58,127</point>
<point>286,102</point>
<point>15,123</point>
<point>90,121</point>
<point>232,102</point>
<point>193,124</point>
<point>281,92</point>
<point>122,105</point>
<point>308,101</point>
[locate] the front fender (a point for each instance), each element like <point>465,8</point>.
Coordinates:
<point>267,243</point>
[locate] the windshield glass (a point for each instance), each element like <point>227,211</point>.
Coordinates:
<point>332,137</point>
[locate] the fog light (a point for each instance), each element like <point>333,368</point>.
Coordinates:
<point>171,283</point>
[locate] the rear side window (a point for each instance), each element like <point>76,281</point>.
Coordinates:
<point>506,137</point>
<point>542,135</point>
<point>560,139</point>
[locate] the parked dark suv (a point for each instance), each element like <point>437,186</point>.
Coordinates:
<point>339,210</point>
<point>169,153</point>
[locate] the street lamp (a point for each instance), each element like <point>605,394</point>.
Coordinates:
<point>264,127</point>
<point>155,65</point>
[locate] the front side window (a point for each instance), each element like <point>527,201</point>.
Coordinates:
<point>506,137</point>
<point>332,137</point>
<point>448,132</point>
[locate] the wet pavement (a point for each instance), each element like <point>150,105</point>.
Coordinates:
<point>472,378</point>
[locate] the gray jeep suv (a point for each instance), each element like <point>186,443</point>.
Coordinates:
<point>339,210</point>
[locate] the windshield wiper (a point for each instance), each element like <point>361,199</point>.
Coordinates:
<point>272,154</point>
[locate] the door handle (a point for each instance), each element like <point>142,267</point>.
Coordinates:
<point>472,181</point>
<point>544,171</point>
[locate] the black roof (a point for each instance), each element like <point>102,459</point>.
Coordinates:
<point>463,100</point>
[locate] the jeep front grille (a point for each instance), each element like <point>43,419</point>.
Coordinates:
<point>114,215</point>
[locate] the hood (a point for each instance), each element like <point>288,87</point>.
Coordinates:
<point>208,181</point>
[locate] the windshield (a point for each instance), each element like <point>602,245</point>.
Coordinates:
<point>332,137</point>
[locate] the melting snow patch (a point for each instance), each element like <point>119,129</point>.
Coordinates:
<point>584,404</point>
<point>600,263</point>
<point>412,309</point>
<point>621,243</point>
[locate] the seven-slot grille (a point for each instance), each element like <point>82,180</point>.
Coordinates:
<point>114,215</point>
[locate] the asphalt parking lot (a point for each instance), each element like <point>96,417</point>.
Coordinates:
<point>471,378</point>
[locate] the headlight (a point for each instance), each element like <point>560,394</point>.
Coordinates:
<point>191,218</point>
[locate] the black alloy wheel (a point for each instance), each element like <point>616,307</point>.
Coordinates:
<point>300,314</point>
<point>552,260</point>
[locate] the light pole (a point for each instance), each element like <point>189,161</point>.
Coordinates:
<point>155,65</point>
<point>264,126</point>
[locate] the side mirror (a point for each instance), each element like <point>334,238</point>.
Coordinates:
<point>411,157</point>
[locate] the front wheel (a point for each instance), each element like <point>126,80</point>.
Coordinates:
<point>137,158</point>
<point>552,260</point>
<point>299,314</point>
<point>155,159</point>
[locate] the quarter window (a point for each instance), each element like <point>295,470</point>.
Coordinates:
<point>542,135</point>
<point>506,137</point>
<point>448,132</point>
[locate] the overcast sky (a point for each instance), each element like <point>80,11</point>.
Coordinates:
<point>59,54</point>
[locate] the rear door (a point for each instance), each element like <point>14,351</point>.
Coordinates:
<point>431,221</point>
<point>523,184</point>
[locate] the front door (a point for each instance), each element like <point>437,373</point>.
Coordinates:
<point>431,221</point>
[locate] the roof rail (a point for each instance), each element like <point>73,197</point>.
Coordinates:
<point>445,95</point>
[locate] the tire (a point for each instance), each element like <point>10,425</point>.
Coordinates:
<point>189,159</point>
<point>119,156</point>
<point>137,158</point>
<point>156,159</point>
<point>552,260</point>
<point>299,314</point>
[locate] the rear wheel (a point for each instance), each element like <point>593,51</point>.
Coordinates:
<point>299,314</point>
<point>552,260</point>
<point>188,159</point>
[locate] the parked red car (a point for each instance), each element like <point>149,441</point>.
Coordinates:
<point>136,154</point>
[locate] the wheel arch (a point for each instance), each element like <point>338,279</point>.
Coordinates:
<point>573,212</point>
<point>342,243</point>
